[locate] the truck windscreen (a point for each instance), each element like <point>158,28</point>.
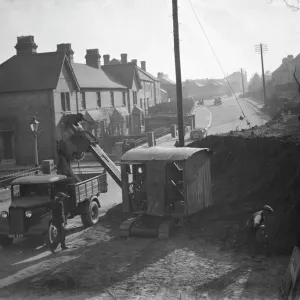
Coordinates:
<point>31,190</point>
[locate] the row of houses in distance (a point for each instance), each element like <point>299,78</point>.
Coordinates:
<point>284,74</point>
<point>114,96</point>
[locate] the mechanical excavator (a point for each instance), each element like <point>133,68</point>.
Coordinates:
<point>160,186</point>
<point>82,141</point>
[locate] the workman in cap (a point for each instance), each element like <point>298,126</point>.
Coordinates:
<point>59,221</point>
<point>255,223</point>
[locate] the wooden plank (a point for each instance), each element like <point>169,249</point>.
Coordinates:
<point>156,179</point>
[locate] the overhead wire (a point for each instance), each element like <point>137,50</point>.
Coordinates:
<point>219,63</point>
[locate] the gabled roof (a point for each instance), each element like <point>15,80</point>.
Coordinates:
<point>137,109</point>
<point>165,80</point>
<point>89,77</point>
<point>33,72</point>
<point>123,73</point>
<point>98,115</point>
<point>144,75</point>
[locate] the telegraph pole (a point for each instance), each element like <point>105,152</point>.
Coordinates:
<point>181,132</point>
<point>261,48</point>
<point>243,82</point>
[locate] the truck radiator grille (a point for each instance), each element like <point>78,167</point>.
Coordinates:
<point>16,220</point>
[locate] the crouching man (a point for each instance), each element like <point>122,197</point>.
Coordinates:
<point>255,223</point>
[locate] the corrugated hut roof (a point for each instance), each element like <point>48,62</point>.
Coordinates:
<point>160,154</point>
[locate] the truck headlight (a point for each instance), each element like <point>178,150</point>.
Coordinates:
<point>28,213</point>
<point>4,214</point>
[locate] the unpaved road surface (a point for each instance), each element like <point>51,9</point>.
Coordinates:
<point>100,265</point>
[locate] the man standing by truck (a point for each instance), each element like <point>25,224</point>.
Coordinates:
<point>59,221</point>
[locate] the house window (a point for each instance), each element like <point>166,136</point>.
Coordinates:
<point>134,95</point>
<point>68,103</point>
<point>65,101</point>
<point>112,99</point>
<point>83,102</point>
<point>124,98</point>
<point>142,120</point>
<point>99,104</point>
<point>141,102</point>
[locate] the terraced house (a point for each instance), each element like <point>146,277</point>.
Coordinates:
<point>48,86</point>
<point>143,89</point>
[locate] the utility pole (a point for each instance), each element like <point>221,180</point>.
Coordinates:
<point>261,48</point>
<point>243,82</point>
<point>181,132</point>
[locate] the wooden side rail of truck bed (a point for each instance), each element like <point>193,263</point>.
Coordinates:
<point>85,189</point>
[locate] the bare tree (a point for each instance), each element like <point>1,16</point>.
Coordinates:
<point>297,81</point>
<point>294,5</point>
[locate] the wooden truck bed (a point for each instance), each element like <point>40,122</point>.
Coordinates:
<point>91,186</point>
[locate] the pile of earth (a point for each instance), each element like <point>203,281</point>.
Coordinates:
<point>249,169</point>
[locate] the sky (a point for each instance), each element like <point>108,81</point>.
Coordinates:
<point>144,30</point>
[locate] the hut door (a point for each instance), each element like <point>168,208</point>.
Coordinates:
<point>156,188</point>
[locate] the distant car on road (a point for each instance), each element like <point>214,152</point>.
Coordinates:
<point>218,101</point>
<point>198,134</point>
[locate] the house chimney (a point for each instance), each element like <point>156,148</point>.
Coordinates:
<point>26,45</point>
<point>160,75</point>
<point>92,58</point>
<point>124,58</point>
<point>143,65</point>
<point>67,48</point>
<point>106,58</point>
<point>134,61</point>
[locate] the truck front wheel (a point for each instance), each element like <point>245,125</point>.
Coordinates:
<point>50,237</point>
<point>90,214</point>
<point>5,241</point>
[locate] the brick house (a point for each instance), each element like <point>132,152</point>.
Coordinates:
<point>168,85</point>
<point>127,74</point>
<point>34,84</point>
<point>284,74</point>
<point>101,100</point>
<point>48,86</point>
<point>143,89</point>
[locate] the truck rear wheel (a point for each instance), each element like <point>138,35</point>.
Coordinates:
<point>5,241</point>
<point>90,214</point>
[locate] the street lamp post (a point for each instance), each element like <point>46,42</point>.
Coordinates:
<point>34,125</point>
<point>261,48</point>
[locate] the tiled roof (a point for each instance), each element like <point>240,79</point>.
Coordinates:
<point>168,81</point>
<point>98,115</point>
<point>32,72</point>
<point>89,77</point>
<point>122,73</point>
<point>137,109</point>
<point>144,75</point>
<point>122,111</point>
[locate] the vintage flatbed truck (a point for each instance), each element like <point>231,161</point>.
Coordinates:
<point>30,210</point>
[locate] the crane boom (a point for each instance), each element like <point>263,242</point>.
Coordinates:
<point>84,141</point>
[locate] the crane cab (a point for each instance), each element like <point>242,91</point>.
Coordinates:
<point>166,182</point>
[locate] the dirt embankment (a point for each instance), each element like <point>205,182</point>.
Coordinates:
<point>250,169</point>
